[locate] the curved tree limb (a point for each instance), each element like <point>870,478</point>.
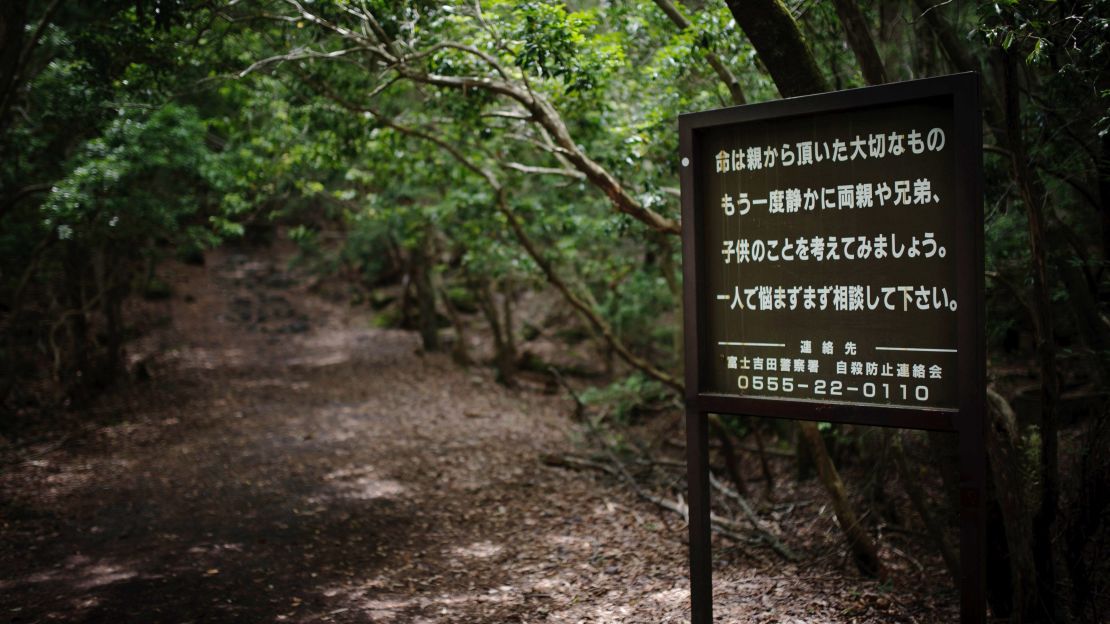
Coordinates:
<point>543,113</point>
<point>546,267</point>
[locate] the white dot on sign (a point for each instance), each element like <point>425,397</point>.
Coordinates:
<point>685,162</point>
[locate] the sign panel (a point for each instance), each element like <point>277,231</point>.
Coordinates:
<point>833,268</point>
<point>832,259</point>
<point>835,253</point>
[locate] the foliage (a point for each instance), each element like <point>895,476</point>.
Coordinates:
<point>476,150</point>
<point>123,187</point>
<point>626,399</point>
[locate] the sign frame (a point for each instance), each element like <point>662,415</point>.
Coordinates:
<point>967,420</point>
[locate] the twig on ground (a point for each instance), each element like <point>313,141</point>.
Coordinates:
<point>572,461</point>
<point>743,447</point>
<point>917,564</point>
<point>579,406</point>
<point>722,526</point>
<point>772,541</point>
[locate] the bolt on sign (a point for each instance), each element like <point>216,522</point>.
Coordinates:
<point>832,249</point>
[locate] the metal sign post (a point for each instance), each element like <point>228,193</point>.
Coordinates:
<point>833,271</point>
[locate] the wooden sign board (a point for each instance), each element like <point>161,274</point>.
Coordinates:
<point>833,260</point>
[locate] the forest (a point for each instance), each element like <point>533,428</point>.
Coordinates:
<point>371,311</point>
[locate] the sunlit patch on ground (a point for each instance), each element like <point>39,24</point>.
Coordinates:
<point>206,359</point>
<point>477,550</point>
<point>674,597</point>
<point>271,382</point>
<point>79,572</point>
<point>362,484</point>
<point>215,549</point>
<point>320,360</point>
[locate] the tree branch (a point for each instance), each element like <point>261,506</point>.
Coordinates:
<point>542,111</point>
<point>723,72</point>
<point>570,173</point>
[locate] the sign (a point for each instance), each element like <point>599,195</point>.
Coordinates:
<point>833,263</point>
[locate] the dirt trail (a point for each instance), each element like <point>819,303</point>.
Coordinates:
<point>287,462</point>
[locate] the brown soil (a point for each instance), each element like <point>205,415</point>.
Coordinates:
<point>288,462</point>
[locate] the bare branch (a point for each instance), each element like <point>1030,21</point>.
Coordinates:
<point>506,114</point>
<point>570,173</point>
<point>347,33</point>
<point>296,55</point>
<point>545,146</point>
<point>488,175</point>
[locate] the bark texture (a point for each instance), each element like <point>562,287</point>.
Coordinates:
<point>865,553</point>
<point>780,44</point>
<point>859,38</point>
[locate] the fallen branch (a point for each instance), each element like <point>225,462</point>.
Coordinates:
<point>743,447</point>
<point>579,406</point>
<point>768,537</point>
<point>572,461</point>
<point>723,526</point>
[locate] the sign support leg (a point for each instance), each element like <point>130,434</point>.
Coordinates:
<point>697,479</point>
<point>973,477</point>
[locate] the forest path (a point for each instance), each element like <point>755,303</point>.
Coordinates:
<point>287,462</point>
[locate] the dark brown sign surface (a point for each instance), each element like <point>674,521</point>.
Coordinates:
<point>830,256</point>
<point>833,271</point>
<point>832,250</point>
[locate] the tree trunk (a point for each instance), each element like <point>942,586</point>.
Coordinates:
<point>111,290</point>
<point>405,303</point>
<point>782,48</point>
<point>460,353</point>
<point>1032,195</point>
<point>508,293</point>
<point>892,35</point>
<point>911,483</point>
<point>865,553</point>
<point>423,265</point>
<point>1092,503</point>
<point>1005,454</point>
<point>1103,167</point>
<point>75,362</point>
<point>732,465</point>
<point>859,38</point>
<point>768,477</point>
<point>13,26</point>
<point>878,452</point>
<point>504,357</point>
<point>804,466</point>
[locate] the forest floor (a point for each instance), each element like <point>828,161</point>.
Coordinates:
<point>288,462</point>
